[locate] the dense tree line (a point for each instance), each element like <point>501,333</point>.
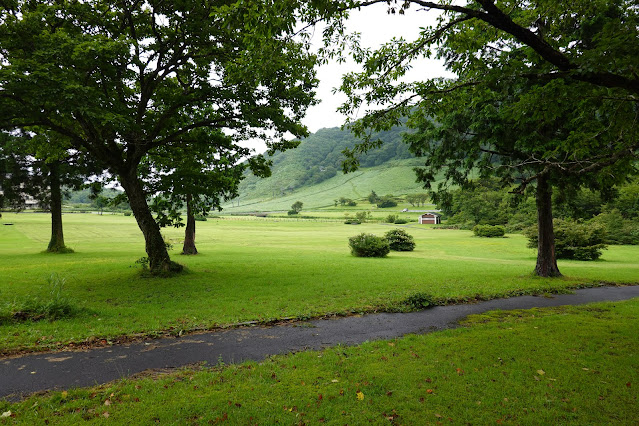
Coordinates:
<point>486,203</point>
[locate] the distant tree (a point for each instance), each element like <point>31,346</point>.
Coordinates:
<point>297,206</point>
<point>100,202</point>
<point>373,198</point>
<point>386,201</point>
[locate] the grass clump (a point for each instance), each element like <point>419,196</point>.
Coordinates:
<point>368,245</point>
<point>419,301</point>
<point>53,306</point>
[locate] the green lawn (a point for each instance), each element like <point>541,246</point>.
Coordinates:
<point>257,270</point>
<point>565,365</point>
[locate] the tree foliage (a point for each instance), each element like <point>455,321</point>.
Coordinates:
<point>545,95</point>
<point>123,80</point>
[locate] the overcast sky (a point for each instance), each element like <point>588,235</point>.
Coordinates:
<point>376,27</point>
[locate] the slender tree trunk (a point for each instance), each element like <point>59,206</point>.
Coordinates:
<point>159,260</point>
<point>56,244</point>
<point>189,232</point>
<point>546,260</point>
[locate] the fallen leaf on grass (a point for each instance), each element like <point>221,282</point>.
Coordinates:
<point>541,372</point>
<point>360,396</point>
<point>105,414</point>
<point>6,414</point>
<point>107,402</point>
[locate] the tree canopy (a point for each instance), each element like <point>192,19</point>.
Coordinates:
<point>546,94</point>
<point>121,80</point>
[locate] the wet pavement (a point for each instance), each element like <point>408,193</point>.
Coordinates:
<point>21,376</point>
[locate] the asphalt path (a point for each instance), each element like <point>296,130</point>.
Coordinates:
<point>24,375</point>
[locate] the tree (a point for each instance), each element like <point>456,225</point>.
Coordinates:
<point>31,166</point>
<point>544,96</point>
<point>198,175</point>
<point>373,197</point>
<point>297,207</point>
<point>120,80</point>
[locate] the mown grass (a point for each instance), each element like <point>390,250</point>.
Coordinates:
<point>257,271</point>
<point>565,365</point>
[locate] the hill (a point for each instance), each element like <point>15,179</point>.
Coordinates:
<point>311,173</point>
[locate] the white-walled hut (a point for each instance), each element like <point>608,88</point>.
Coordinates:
<point>429,219</point>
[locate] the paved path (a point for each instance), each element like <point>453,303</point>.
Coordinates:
<point>20,376</point>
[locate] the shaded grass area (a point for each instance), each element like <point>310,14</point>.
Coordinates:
<point>259,271</point>
<point>564,365</point>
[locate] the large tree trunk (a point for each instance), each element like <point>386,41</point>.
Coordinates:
<point>546,261</point>
<point>189,232</point>
<point>159,261</point>
<point>56,244</point>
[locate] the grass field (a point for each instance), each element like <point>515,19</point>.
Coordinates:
<point>565,365</point>
<point>257,270</point>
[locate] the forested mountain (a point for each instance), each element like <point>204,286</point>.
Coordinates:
<point>318,158</point>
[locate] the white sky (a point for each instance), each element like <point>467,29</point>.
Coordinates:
<point>375,27</point>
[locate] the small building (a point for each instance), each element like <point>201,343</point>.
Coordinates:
<point>429,219</point>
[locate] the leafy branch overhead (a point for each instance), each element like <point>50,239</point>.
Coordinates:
<point>121,81</point>
<point>545,94</point>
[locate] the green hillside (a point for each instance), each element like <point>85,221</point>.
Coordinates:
<point>311,173</point>
<point>394,177</point>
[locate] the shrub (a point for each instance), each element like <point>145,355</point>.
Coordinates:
<point>200,217</point>
<point>391,218</point>
<point>400,221</point>
<point>292,212</point>
<point>419,301</point>
<point>368,245</point>
<point>619,230</point>
<point>489,231</point>
<point>363,216</point>
<point>351,203</point>
<point>352,222</point>
<point>127,213</point>
<point>400,240</point>
<point>446,227</point>
<point>386,201</point>
<point>573,240</point>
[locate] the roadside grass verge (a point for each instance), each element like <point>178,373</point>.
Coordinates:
<point>259,271</point>
<point>563,365</point>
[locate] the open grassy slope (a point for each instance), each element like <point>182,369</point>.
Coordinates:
<point>257,270</point>
<point>396,177</point>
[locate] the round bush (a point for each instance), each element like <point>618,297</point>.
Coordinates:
<point>400,240</point>
<point>489,231</point>
<point>573,240</point>
<point>368,245</point>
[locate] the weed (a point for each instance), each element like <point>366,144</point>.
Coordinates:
<point>419,301</point>
<point>54,305</point>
